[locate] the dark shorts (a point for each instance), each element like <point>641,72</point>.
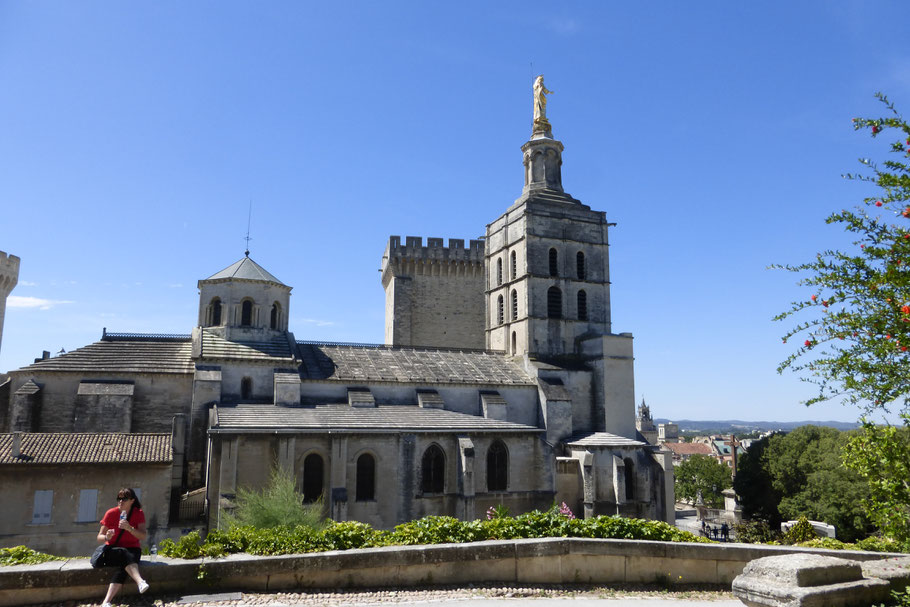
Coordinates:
<point>121,558</point>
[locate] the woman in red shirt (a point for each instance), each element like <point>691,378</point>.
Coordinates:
<point>122,528</point>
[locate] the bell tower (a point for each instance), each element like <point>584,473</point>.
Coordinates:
<point>9,278</point>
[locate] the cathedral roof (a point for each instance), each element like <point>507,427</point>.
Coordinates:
<point>125,354</point>
<point>603,439</point>
<point>346,363</point>
<point>245,269</point>
<point>215,346</point>
<point>87,448</point>
<point>382,418</point>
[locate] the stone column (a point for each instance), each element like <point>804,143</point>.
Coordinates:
<point>338,500</point>
<point>466,473</point>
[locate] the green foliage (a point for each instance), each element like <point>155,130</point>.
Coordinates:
<point>881,455</point>
<point>20,555</point>
<point>187,547</point>
<point>705,476</point>
<point>870,544</point>
<point>278,504</point>
<point>759,499</point>
<point>801,531</point>
<point>856,338</point>
<point>757,531</point>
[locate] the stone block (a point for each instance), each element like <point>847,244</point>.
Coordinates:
<point>895,571</point>
<point>803,580</point>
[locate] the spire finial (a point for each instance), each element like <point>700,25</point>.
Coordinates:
<point>249,218</point>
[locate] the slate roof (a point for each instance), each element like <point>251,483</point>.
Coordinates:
<point>140,355</point>
<point>383,418</point>
<point>363,363</point>
<point>602,439</point>
<point>84,448</point>
<point>245,269</point>
<point>214,346</point>
<point>689,448</point>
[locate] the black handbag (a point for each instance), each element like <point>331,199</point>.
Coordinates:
<point>99,555</point>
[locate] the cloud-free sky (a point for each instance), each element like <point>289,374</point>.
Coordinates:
<point>134,136</point>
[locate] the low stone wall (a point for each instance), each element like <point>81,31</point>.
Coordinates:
<point>538,561</point>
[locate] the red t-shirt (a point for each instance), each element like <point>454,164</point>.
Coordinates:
<point>111,520</point>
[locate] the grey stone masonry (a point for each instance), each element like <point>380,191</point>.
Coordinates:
<point>9,277</point>
<point>434,293</point>
<point>804,580</point>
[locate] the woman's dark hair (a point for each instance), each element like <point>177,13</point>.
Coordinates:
<point>127,493</point>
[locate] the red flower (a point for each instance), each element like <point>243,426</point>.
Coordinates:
<point>814,297</point>
<point>808,343</point>
<point>876,129</point>
<point>878,203</point>
<point>905,309</point>
<point>887,336</point>
<point>825,303</point>
<point>903,348</point>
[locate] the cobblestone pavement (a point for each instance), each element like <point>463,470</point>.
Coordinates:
<point>643,596</point>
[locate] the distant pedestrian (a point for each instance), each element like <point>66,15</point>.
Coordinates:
<point>725,531</point>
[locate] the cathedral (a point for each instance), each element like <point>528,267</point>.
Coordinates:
<point>501,381</point>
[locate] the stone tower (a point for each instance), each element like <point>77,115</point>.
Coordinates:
<point>9,277</point>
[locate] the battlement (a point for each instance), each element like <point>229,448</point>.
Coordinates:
<point>414,250</point>
<point>9,272</point>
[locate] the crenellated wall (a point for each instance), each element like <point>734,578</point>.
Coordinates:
<point>9,278</point>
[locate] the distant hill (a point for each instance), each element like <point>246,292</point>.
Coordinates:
<point>736,426</point>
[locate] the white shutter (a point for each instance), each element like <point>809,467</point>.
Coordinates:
<point>44,500</point>
<point>88,506</point>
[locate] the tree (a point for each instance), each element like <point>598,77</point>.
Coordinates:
<point>278,504</point>
<point>705,476</point>
<point>857,336</point>
<point>753,486</point>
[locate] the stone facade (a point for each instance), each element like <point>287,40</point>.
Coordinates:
<point>9,278</point>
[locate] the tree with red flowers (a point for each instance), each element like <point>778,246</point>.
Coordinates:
<point>855,326</point>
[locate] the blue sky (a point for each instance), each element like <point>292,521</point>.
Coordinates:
<point>133,137</point>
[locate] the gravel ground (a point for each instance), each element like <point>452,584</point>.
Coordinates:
<point>387,596</point>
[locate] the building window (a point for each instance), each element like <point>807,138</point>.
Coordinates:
<point>514,304</point>
<point>246,313</point>
<point>514,260</point>
<point>629,472</point>
<point>499,271</point>
<point>497,467</point>
<point>44,500</point>
<point>554,263</point>
<point>582,305</point>
<point>554,302</point>
<point>500,312</point>
<point>246,388</point>
<point>366,478</point>
<point>216,312</point>
<point>514,342</point>
<point>580,265</point>
<point>276,314</point>
<point>312,478</point>
<point>88,506</point>
<point>432,470</point>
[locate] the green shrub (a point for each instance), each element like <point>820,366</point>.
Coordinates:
<point>187,547</point>
<point>351,534</point>
<point>278,504</point>
<point>801,531</point>
<point>20,555</point>
<point>756,532</point>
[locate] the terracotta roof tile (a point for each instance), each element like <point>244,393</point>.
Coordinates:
<point>86,448</point>
<point>689,448</point>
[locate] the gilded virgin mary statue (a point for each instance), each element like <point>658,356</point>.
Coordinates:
<point>541,124</point>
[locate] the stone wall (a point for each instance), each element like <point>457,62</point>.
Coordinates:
<point>546,561</point>
<point>9,277</point>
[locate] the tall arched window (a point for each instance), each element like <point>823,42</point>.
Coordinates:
<point>554,263</point>
<point>582,305</point>
<point>580,266</point>
<point>629,472</point>
<point>500,311</point>
<point>514,342</point>
<point>514,304</point>
<point>497,467</point>
<point>276,314</point>
<point>313,472</point>
<point>499,271</point>
<point>246,313</point>
<point>554,302</point>
<point>246,388</point>
<point>366,478</point>
<point>514,265</point>
<point>216,312</point>
<point>432,470</point>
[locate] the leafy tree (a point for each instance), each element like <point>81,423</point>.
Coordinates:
<point>753,486</point>
<point>856,340</point>
<point>278,504</point>
<point>705,476</point>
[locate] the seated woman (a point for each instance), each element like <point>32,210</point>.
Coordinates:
<point>123,527</point>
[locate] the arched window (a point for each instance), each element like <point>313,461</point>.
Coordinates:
<point>499,271</point>
<point>246,388</point>
<point>500,312</point>
<point>554,302</point>
<point>276,314</point>
<point>246,313</point>
<point>497,467</point>
<point>629,472</point>
<point>582,305</point>
<point>313,472</point>
<point>514,264</point>
<point>514,304</point>
<point>514,342</point>
<point>432,470</point>
<point>366,478</point>
<point>580,266</point>
<point>554,263</point>
<point>216,312</point>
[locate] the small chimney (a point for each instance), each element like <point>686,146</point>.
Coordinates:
<point>16,449</point>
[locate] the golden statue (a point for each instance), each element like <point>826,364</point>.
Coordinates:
<point>540,100</point>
